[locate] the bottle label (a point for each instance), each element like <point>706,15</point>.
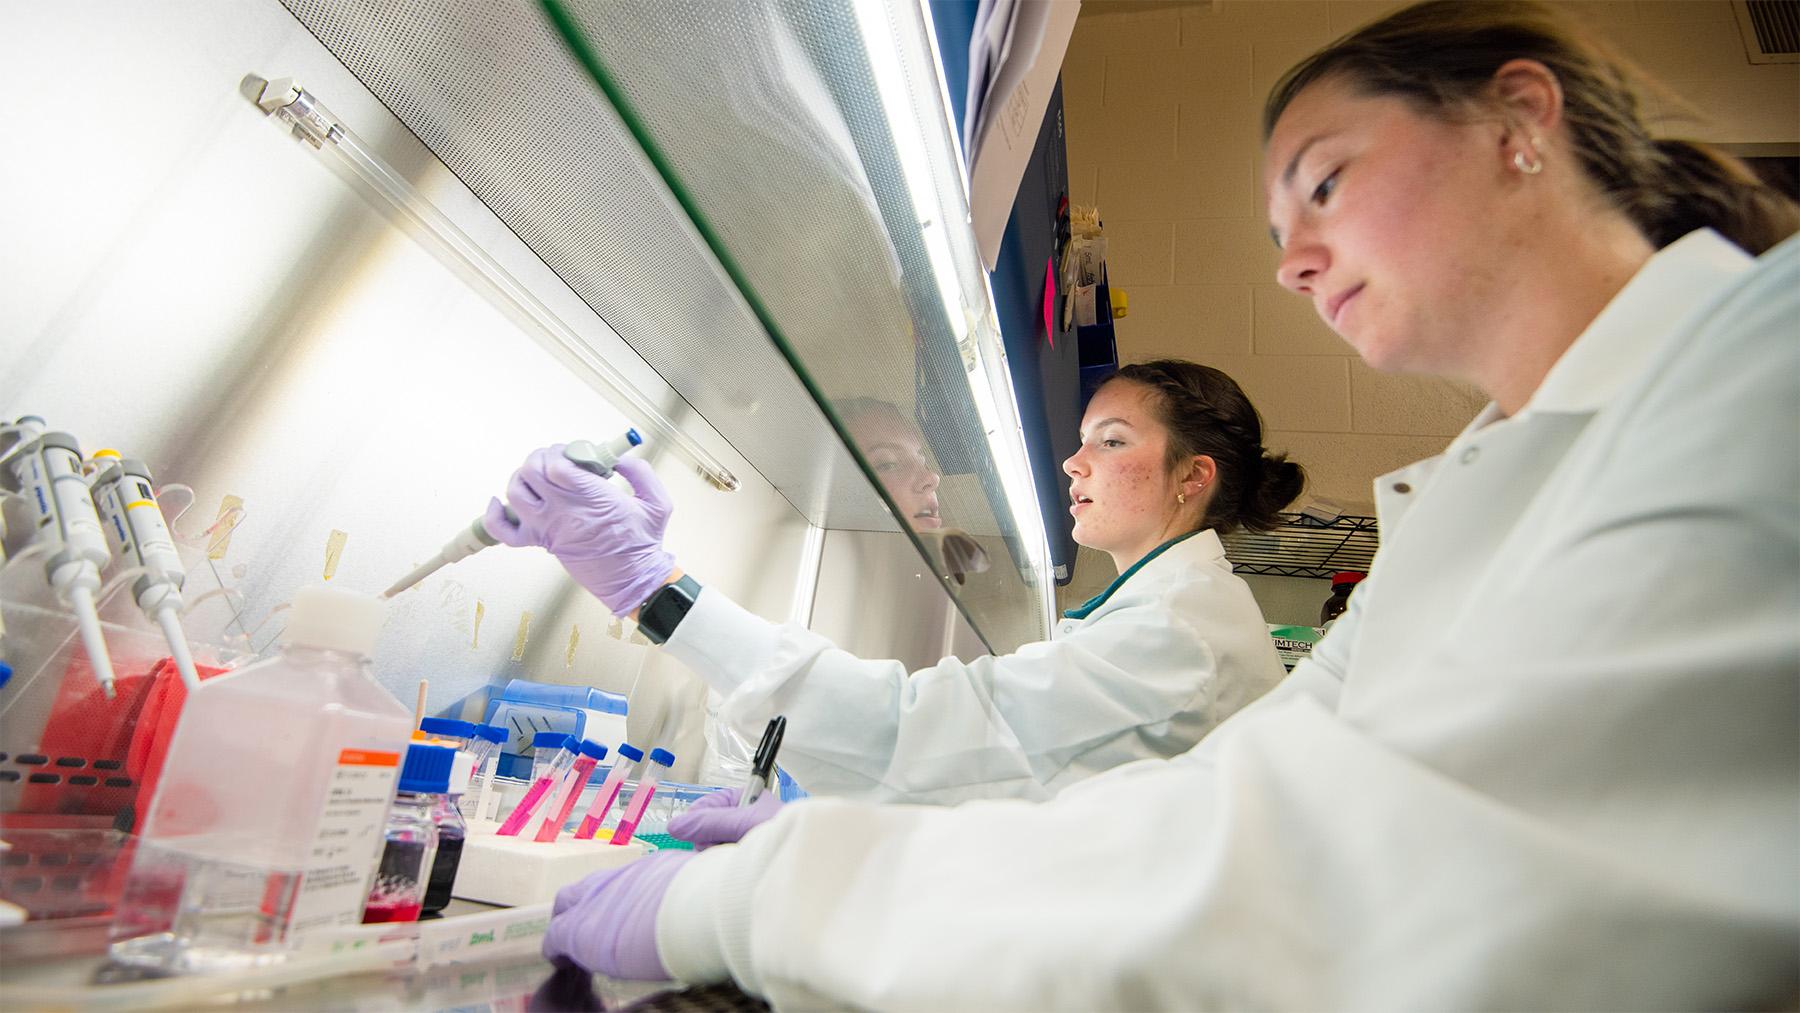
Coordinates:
<point>1294,644</point>
<point>348,840</point>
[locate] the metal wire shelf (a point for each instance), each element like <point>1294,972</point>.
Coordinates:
<point>1304,546</point>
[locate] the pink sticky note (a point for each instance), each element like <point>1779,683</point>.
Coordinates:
<point>1050,302</point>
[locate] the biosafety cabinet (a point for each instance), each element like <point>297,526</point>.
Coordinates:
<point>331,268</point>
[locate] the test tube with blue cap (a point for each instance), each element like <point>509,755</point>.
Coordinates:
<point>660,761</point>
<point>553,753</point>
<point>598,458</point>
<point>485,748</point>
<point>450,729</point>
<point>629,755</point>
<point>568,792</point>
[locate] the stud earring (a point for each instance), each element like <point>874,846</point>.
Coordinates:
<point>1530,167</point>
<point>1181,497</point>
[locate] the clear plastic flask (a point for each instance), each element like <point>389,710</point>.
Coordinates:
<point>268,816</point>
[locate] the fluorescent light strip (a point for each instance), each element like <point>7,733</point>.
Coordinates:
<point>890,49</point>
<point>312,122</point>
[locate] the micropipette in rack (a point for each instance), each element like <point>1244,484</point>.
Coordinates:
<point>140,537</point>
<point>47,467</point>
<point>598,458</point>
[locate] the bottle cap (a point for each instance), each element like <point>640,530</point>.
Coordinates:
<point>552,740</point>
<point>630,752</point>
<point>1347,577</point>
<point>427,768</point>
<point>448,726</point>
<point>334,619</point>
<point>593,749</point>
<point>492,733</point>
<point>662,756</point>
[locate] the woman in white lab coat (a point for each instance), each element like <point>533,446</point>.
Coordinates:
<point>1171,456</point>
<point>1548,757</point>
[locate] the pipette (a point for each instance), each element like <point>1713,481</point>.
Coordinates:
<point>140,537</point>
<point>598,458</point>
<point>47,467</point>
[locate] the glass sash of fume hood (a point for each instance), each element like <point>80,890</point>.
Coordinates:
<point>810,144</point>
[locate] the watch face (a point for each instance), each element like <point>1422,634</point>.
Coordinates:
<point>665,610</point>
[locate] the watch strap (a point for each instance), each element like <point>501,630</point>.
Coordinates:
<point>664,609</point>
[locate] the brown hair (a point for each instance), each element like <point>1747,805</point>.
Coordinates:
<point>1206,412</point>
<point>1441,56</point>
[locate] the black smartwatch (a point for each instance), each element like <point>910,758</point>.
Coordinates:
<point>666,608</point>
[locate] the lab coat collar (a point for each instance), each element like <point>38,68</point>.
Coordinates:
<point>1207,545</point>
<point>1650,308</point>
<point>1615,347</point>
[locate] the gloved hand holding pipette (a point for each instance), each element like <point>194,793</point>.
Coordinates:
<point>607,537</point>
<point>596,459</point>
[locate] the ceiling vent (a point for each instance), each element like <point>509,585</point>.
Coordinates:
<point>1770,28</point>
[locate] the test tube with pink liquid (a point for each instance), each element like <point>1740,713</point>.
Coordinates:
<point>660,759</point>
<point>628,757</point>
<point>568,792</point>
<point>553,753</point>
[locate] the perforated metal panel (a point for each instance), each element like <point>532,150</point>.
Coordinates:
<point>492,92</point>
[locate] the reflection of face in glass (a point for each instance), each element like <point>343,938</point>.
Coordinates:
<point>896,451</point>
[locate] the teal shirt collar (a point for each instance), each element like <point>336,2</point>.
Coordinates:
<point>1082,611</point>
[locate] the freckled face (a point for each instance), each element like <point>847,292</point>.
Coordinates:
<point>1122,492</point>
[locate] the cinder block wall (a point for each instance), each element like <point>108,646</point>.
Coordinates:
<point>1163,103</point>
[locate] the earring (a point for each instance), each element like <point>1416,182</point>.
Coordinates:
<point>1181,497</point>
<point>1532,167</point>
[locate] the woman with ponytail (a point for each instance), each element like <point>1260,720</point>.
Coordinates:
<point>1171,457</point>
<point>1547,759</point>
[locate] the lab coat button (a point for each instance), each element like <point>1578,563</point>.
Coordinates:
<point>1402,488</point>
<point>1469,455</point>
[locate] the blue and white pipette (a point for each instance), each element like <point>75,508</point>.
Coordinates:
<point>598,458</point>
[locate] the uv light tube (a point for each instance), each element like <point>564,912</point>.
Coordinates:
<point>291,104</point>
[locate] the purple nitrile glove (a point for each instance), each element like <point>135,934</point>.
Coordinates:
<point>607,921</point>
<point>608,538</point>
<point>716,819</point>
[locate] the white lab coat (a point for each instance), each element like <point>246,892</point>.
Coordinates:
<point>1547,759</point>
<point>1175,647</point>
